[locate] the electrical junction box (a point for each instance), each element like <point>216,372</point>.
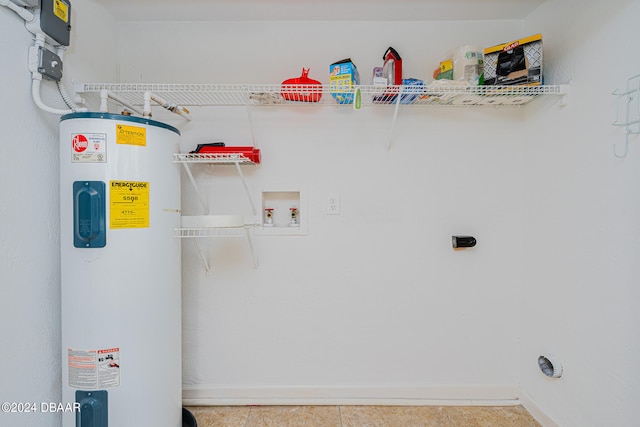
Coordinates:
<point>49,64</point>
<point>55,20</point>
<point>45,62</point>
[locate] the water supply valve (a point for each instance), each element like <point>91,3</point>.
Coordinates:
<point>294,218</point>
<point>268,217</point>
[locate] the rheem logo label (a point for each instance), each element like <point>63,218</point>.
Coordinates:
<point>79,143</point>
<point>89,147</point>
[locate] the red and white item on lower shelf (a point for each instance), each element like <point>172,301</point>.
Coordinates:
<point>251,153</point>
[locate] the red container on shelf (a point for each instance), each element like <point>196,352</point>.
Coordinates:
<point>250,153</point>
<point>302,88</point>
<point>392,71</point>
<point>392,67</point>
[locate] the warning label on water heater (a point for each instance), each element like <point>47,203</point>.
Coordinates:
<point>89,148</point>
<point>131,135</point>
<point>129,207</point>
<point>92,369</point>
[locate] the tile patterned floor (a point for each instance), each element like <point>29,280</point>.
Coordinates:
<point>363,416</point>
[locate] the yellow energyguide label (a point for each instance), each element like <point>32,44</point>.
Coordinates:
<point>131,135</point>
<point>61,10</point>
<point>129,204</point>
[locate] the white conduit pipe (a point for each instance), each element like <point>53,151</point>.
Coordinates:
<point>22,12</point>
<point>104,98</point>
<point>105,94</point>
<point>146,111</point>
<point>36,79</point>
<point>174,108</point>
<point>35,90</point>
<point>62,89</point>
<point>66,98</point>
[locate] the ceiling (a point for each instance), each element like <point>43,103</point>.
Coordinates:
<point>318,10</point>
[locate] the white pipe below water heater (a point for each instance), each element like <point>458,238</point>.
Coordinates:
<point>120,264</point>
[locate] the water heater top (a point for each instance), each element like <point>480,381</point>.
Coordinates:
<point>119,117</point>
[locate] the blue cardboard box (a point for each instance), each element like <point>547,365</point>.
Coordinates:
<point>343,77</point>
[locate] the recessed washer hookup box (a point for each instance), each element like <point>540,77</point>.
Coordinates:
<point>515,63</point>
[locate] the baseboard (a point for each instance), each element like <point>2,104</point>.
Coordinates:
<point>536,412</point>
<point>458,395</point>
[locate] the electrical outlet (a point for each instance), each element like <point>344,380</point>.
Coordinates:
<point>333,204</point>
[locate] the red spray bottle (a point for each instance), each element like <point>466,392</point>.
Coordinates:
<point>392,67</point>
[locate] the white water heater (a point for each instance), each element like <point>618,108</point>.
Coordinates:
<point>121,276</point>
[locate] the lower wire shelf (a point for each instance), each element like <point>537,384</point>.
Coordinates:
<point>196,233</point>
<point>211,232</point>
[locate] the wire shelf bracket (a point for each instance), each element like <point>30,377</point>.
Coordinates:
<point>195,233</point>
<point>628,115</point>
<point>236,159</point>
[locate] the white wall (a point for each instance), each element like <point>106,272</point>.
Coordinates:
<point>29,210</point>
<point>581,299</point>
<point>373,303</point>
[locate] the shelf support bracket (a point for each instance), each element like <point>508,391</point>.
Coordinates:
<point>202,256</point>
<point>197,188</point>
<point>246,188</point>
<point>250,119</point>
<point>252,247</point>
<point>631,120</point>
<point>395,118</point>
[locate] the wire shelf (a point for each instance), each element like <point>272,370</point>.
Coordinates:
<point>210,232</point>
<point>269,94</point>
<point>212,158</point>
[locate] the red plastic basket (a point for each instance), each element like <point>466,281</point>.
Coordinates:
<point>302,88</point>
